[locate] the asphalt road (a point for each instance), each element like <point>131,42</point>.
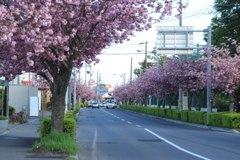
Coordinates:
<point>115,134</point>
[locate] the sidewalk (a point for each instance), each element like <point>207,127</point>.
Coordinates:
<point>17,140</point>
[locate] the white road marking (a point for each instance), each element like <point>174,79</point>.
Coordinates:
<point>16,127</point>
<point>138,125</point>
<point>122,119</point>
<point>176,146</point>
<point>129,122</point>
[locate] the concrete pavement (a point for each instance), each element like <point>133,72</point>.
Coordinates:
<point>17,140</point>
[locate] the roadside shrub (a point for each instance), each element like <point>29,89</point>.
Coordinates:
<point>11,110</point>
<point>184,115</point>
<point>231,120</point>
<point>169,113</point>
<point>196,117</point>
<point>3,117</point>
<point>155,111</point>
<point>215,119</point>
<point>82,105</point>
<point>141,109</point>
<point>77,109</point>
<point>69,125</point>
<point>176,114</point>
<point>123,106</point>
<point>70,114</point>
<point>162,112</point>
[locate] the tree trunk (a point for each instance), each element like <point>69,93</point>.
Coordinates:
<point>159,102</point>
<point>237,104</point>
<point>231,105</point>
<point>163,103</point>
<point>190,102</point>
<point>59,89</point>
<point>198,104</point>
<point>145,100</point>
<point>172,99</point>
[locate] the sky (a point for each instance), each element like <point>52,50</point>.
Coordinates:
<point>116,60</point>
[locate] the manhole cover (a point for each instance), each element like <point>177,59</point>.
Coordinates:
<point>106,142</point>
<point>150,140</point>
<point>91,117</point>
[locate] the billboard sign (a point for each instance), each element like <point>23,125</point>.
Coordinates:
<point>102,91</point>
<point>174,40</point>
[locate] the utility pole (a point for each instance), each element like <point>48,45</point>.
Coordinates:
<point>74,91</point>
<point>180,19</point>
<point>180,58</point>
<point>209,41</point>
<point>146,96</point>
<point>85,73</point>
<point>131,70</point>
<point>145,65</point>
<point>146,54</point>
<point>97,87</point>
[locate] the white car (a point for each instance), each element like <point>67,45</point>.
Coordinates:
<point>111,105</point>
<point>104,104</point>
<point>95,105</point>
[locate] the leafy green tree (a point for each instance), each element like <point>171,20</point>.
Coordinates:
<point>138,71</point>
<point>226,26</point>
<point>226,21</point>
<point>152,60</point>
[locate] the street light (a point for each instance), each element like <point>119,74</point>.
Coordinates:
<point>121,75</point>
<point>145,52</point>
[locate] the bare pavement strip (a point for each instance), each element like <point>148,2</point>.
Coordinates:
<point>17,140</point>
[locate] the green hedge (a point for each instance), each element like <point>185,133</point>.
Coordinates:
<point>231,120</point>
<point>169,113</point>
<point>176,114</point>
<point>162,112</point>
<point>218,119</point>
<point>196,117</point>
<point>69,125</point>
<point>11,110</point>
<point>184,115</point>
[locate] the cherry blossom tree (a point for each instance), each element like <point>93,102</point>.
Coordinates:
<point>53,36</point>
<point>83,91</point>
<point>161,86</point>
<point>225,74</point>
<point>186,74</point>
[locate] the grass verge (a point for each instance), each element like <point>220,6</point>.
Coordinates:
<point>56,143</point>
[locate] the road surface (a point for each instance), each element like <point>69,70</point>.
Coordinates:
<point>116,134</point>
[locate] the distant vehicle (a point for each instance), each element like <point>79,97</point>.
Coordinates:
<point>104,104</point>
<point>95,105</point>
<point>111,104</point>
<point>100,104</point>
<point>89,104</point>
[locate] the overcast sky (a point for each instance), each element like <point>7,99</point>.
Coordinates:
<point>117,58</point>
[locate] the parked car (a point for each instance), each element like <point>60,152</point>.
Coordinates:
<point>111,104</point>
<point>95,105</point>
